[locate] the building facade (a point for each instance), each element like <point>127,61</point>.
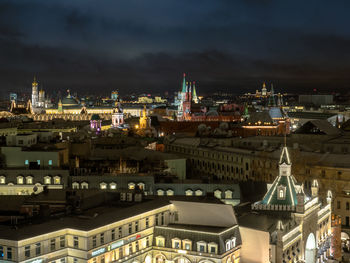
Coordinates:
<point>151,231</point>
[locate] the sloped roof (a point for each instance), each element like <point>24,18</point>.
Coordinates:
<point>263,116</point>
<point>291,194</point>
<point>318,126</point>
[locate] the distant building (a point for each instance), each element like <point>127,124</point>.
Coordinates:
<point>317,100</point>
<point>115,95</point>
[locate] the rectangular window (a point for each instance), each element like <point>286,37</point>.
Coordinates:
<point>63,260</point>
<point>120,232</point>
<point>53,244</point>
<point>113,234</point>
<point>50,162</point>
<point>147,222</point>
<point>201,248</point>
<point>102,238</point>
<point>27,251</point>
<point>9,253</point>
<point>136,226</point>
<point>37,249</point>
<point>147,242</point>
<point>38,161</point>
<point>26,162</point>
<point>94,243</point>
<point>120,252</point>
<point>76,242</point>
<point>212,250</point>
<point>176,244</point>
<point>130,229</point>
<point>338,204</point>
<point>162,219</point>
<point>102,259</point>
<point>130,249</point>
<point>347,206</point>
<point>75,260</point>
<point>157,220</point>
<point>137,246</point>
<point>62,241</point>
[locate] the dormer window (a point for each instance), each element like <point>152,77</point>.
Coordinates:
<point>281,192</point>
<point>187,244</point>
<point>176,243</point>
<point>228,245</point>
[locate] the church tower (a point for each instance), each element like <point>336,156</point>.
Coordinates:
<point>194,93</point>
<point>35,95</point>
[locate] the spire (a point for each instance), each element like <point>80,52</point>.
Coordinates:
<point>284,158</point>
<point>184,83</point>
<point>272,102</point>
<point>194,93</point>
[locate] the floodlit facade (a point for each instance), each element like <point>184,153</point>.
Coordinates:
<point>153,231</point>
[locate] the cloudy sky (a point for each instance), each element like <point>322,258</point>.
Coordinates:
<point>90,46</point>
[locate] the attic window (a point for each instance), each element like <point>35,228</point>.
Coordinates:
<point>281,194</point>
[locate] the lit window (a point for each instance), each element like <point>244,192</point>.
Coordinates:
<point>169,192</point>
<point>160,192</point>
<point>131,186</point>
<point>217,194</point>
<point>176,243</point>
<point>189,192</point>
<point>228,194</point>
<point>281,194</point>
<point>233,242</point>
<point>113,186</point>
<point>187,245</point>
<point>29,180</point>
<point>228,245</point>
<point>19,180</point>
<point>57,180</point>
<point>199,192</point>
<point>160,241</point>
<point>103,185</point>
<point>50,162</point>
<point>2,180</point>
<point>26,162</point>
<point>47,180</point>
<point>75,185</point>
<point>38,161</point>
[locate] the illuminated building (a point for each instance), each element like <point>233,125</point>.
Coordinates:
<point>35,94</point>
<point>145,121</point>
<point>291,225</point>
<point>133,230</point>
<point>96,123</point>
<point>117,117</point>
<point>115,95</point>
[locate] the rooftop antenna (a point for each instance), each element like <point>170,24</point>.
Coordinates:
<point>285,134</point>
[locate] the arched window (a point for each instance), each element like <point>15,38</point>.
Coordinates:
<point>189,192</point>
<point>199,192</point>
<point>217,194</point>
<point>84,185</point>
<point>228,194</point>
<point>75,185</point>
<point>170,192</point>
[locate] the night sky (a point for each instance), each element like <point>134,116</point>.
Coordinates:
<point>144,46</point>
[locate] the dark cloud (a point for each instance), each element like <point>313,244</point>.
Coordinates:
<point>136,45</point>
